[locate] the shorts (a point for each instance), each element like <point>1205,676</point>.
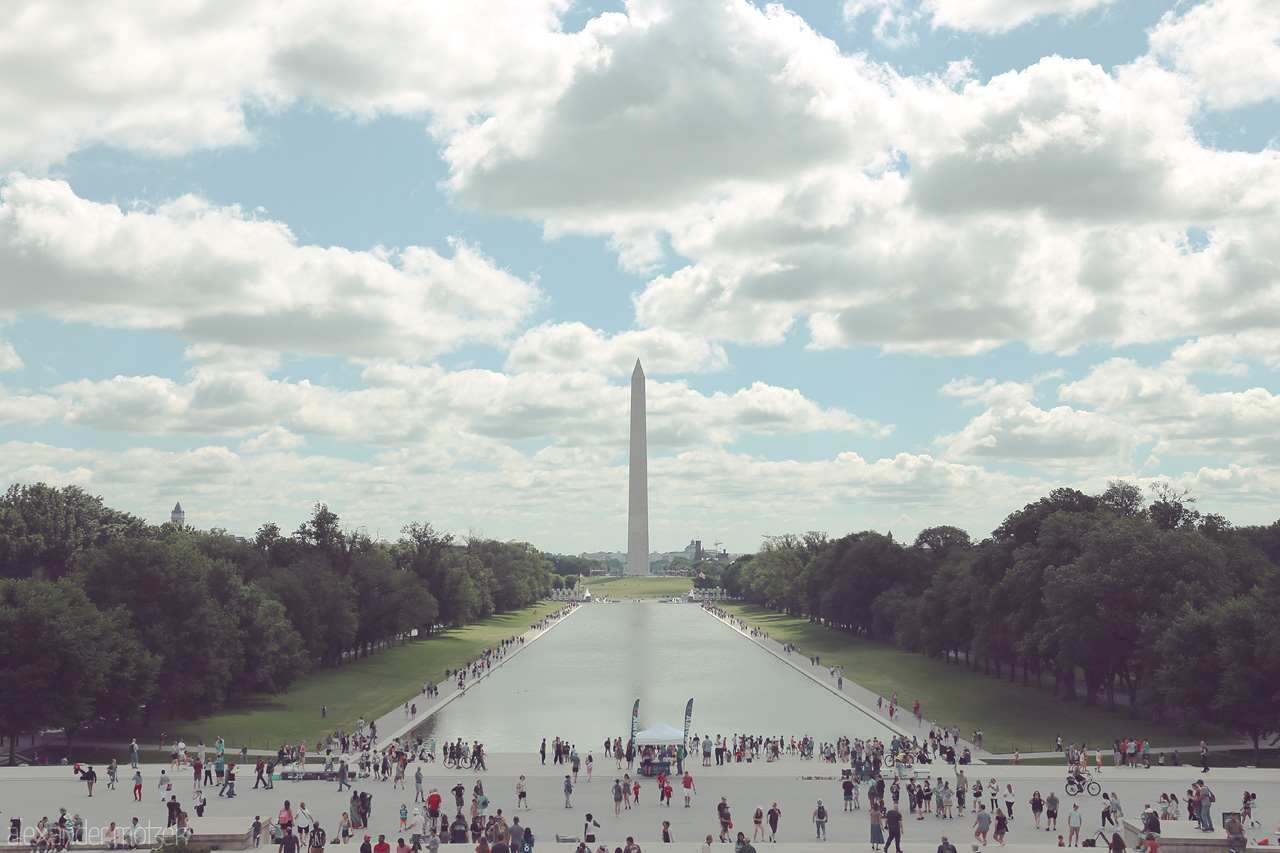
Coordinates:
<point>521,795</point>
<point>848,798</point>
<point>1051,814</point>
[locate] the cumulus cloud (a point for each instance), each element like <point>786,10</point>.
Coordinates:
<point>1227,353</point>
<point>895,20</point>
<point>1230,49</point>
<point>559,347</point>
<point>449,416</point>
<point>9,359</point>
<point>170,79</point>
<point>999,16</point>
<point>1012,428</point>
<point>683,100</point>
<point>1182,418</point>
<point>219,277</point>
<point>533,501</point>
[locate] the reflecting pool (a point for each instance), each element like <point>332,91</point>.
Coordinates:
<point>580,679</point>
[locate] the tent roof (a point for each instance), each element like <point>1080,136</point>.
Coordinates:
<point>660,734</point>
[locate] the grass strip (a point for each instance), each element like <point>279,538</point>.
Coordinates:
<point>1008,714</point>
<point>370,686</point>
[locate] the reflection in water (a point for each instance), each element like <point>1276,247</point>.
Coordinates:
<point>579,682</point>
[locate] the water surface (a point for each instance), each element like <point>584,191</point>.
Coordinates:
<point>580,679</point>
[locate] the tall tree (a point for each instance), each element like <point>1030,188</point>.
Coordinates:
<point>64,662</point>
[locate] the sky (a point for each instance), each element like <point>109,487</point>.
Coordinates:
<point>888,264</point>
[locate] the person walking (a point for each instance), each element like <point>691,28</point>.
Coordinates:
<point>1204,757</point>
<point>1051,812</point>
<point>982,824</point>
<point>893,821</point>
<point>726,818</point>
<point>568,791</point>
<point>773,815</point>
<point>820,822</point>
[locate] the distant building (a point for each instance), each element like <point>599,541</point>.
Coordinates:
<point>178,517</point>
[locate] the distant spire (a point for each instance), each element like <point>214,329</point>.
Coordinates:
<point>178,517</point>
<point>638,372</point>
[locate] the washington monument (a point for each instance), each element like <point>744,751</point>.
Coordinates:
<point>638,485</point>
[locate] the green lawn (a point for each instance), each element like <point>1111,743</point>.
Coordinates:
<point>1009,714</point>
<point>638,587</point>
<point>372,687</point>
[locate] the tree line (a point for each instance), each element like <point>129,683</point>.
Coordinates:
<point>105,616</point>
<point>1093,593</point>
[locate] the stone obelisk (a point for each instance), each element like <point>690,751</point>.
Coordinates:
<point>638,484</point>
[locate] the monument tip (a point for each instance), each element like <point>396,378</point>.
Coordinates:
<point>639,371</point>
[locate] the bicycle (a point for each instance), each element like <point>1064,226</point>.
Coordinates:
<point>462,762</point>
<point>1084,783</point>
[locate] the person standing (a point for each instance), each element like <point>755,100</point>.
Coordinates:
<point>877,826</point>
<point>90,776</point>
<point>1074,819</point>
<point>1204,757</point>
<point>820,822</point>
<point>568,791</point>
<point>689,788</point>
<point>773,815</point>
<point>133,754</point>
<point>893,821</point>
<point>542,750</point>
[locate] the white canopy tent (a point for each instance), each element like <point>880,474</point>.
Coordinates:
<point>660,735</point>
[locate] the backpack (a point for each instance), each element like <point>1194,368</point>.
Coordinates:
<point>822,812</point>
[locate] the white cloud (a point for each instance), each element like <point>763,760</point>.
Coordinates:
<point>275,439</point>
<point>1230,49</point>
<point>561,347</point>
<point>1050,205</point>
<point>537,500</point>
<point>28,408</point>
<point>895,20</point>
<point>1182,418</point>
<point>174,77</point>
<point>1012,428</point>
<point>682,101</point>
<point>474,415</point>
<point>1000,16</point>
<point>9,359</point>
<point>1228,353</point>
<point>216,276</point>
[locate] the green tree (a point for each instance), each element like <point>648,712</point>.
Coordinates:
<point>43,529</point>
<point>64,662</point>
<point>165,589</point>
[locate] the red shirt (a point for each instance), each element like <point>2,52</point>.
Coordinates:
<point>382,847</point>
<point>433,802</point>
